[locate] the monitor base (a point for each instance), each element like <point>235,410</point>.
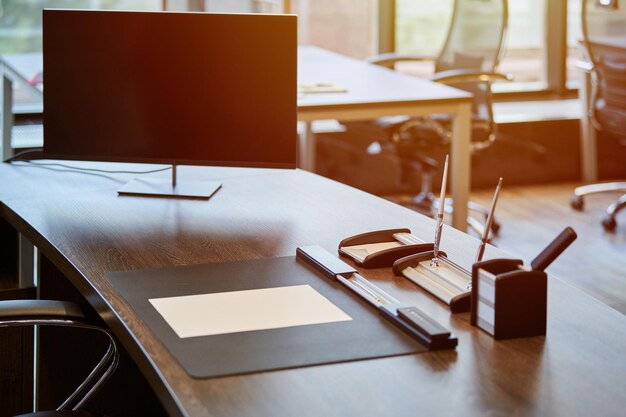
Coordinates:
<point>164,188</point>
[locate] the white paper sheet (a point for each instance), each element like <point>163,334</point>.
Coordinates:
<point>242,311</point>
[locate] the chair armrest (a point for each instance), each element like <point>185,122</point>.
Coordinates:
<point>39,309</point>
<point>389,59</point>
<point>459,76</point>
<point>586,66</point>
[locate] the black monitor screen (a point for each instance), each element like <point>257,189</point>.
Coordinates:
<point>197,88</point>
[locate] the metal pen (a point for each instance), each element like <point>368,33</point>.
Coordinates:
<point>492,209</point>
<point>442,202</point>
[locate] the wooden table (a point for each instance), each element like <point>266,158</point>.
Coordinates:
<point>82,227</point>
<point>373,92</point>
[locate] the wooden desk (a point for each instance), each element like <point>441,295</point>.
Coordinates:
<point>82,226</point>
<point>373,92</point>
<point>607,45</point>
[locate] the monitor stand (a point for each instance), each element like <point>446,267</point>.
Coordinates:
<point>158,187</point>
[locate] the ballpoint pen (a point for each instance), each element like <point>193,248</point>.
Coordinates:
<point>442,202</point>
<point>492,209</point>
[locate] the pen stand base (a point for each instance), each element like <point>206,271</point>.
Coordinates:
<point>381,248</point>
<point>448,282</point>
<point>507,301</point>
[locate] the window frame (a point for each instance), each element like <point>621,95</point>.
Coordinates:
<point>555,52</point>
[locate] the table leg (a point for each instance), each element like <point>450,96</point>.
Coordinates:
<point>7,117</point>
<point>306,154</point>
<point>588,148</point>
<point>26,268</point>
<point>460,169</point>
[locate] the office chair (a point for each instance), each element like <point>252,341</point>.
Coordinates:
<point>469,60</point>
<point>65,314</point>
<point>606,107</point>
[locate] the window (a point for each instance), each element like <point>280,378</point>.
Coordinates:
<point>21,30</point>
<point>225,6</point>
<point>601,22</point>
<point>20,21</point>
<point>353,27</point>
<point>524,58</point>
<point>21,24</point>
<point>421,27</point>
<point>347,26</point>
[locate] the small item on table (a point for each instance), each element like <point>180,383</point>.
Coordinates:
<point>439,228</point>
<point>509,300</point>
<point>381,248</point>
<point>321,87</point>
<point>447,281</point>
<point>409,318</point>
<point>492,209</point>
<point>433,271</point>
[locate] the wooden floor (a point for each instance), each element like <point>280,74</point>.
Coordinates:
<point>531,216</point>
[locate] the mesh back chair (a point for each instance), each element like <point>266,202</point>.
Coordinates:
<point>65,314</point>
<point>469,60</point>
<point>603,23</point>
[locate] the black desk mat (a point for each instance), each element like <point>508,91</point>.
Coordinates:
<point>368,335</point>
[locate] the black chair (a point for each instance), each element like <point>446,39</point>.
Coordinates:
<point>65,314</point>
<point>607,103</point>
<point>469,60</point>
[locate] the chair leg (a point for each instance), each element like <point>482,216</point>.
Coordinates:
<point>422,202</point>
<point>577,201</point>
<point>608,222</point>
<point>426,203</point>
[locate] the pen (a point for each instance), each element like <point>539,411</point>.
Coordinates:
<point>554,249</point>
<point>492,209</point>
<point>442,202</point>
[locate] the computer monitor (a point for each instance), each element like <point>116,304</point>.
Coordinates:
<point>167,87</point>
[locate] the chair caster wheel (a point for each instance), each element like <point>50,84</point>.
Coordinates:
<point>609,223</point>
<point>577,203</point>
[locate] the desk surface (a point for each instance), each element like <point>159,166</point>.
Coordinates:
<point>78,221</point>
<point>372,92</point>
<point>366,84</point>
<point>24,67</point>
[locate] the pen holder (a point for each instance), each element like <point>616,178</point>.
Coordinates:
<point>507,300</point>
<point>448,282</point>
<point>381,248</point>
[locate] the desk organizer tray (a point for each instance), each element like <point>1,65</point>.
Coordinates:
<point>448,282</point>
<point>381,248</point>
<point>407,317</point>
<point>364,335</point>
